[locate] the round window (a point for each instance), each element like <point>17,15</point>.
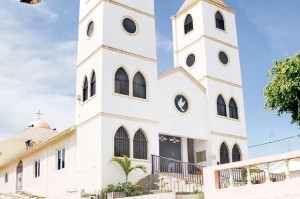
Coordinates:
<point>223,57</point>
<point>129,25</point>
<point>181,103</point>
<point>190,60</point>
<point>90,29</point>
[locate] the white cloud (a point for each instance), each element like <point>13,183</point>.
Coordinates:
<point>37,72</point>
<point>164,42</point>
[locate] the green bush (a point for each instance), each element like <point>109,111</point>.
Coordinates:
<point>130,190</point>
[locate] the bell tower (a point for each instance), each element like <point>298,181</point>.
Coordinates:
<point>205,45</point>
<point>116,82</point>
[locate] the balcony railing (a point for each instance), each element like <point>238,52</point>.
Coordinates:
<point>175,168</point>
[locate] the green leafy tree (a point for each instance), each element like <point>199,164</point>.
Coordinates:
<point>125,164</point>
<point>283,91</point>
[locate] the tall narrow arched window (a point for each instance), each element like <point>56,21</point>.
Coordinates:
<point>236,153</point>
<point>121,82</point>
<point>121,142</point>
<point>85,89</point>
<point>93,84</point>
<point>140,145</point>
<point>221,106</point>
<point>224,155</point>
<point>233,111</point>
<point>188,24</point>
<point>220,24</point>
<point>139,86</point>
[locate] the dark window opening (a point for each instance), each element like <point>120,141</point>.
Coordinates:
<point>140,145</point>
<point>233,110</point>
<point>190,60</point>
<point>220,24</point>
<point>224,155</point>
<point>121,143</point>
<point>93,84</point>
<point>85,90</point>
<point>139,86</point>
<point>121,82</point>
<point>223,58</point>
<point>221,106</point>
<point>188,24</point>
<point>236,153</point>
<point>129,25</point>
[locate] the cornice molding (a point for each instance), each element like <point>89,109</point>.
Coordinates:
<point>228,135</point>
<point>221,81</point>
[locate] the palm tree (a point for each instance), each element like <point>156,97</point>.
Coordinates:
<point>125,163</point>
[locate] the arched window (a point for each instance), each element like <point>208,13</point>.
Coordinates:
<point>139,86</point>
<point>121,142</point>
<point>93,84</point>
<point>233,111</point>
<point>221,106</point>
<point>220,21</point>
<point>188,24</point>
<point>140,145</point>
<point>236,153</point>
<point>85,89</point>
<point>224,156</point>
<point>121,82</point>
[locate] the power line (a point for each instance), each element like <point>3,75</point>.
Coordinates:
<point>274,141</point>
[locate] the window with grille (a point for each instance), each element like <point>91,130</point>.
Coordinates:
<point>139,86</point>
<point>236,153</point>
<point>121,82</point>
<point>61,159</point>
<point>121,143</point>
<point>85,89</point>
<point>233,110</point>
<point>188,24</point>
<point>93,84</point>
<point>224,155</point>
<point>221,106</point>
<point>37,168</point>
<point>140,145</point>
<point>220,24</point>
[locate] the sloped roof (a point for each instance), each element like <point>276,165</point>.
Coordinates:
<point>188,3</point>
<point>16,144</point>
<point>183,71</point>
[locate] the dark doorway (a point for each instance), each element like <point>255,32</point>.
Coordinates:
<point>170,147</point>
<point>19,176</point>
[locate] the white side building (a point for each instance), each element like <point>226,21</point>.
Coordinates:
<point>192,113</point>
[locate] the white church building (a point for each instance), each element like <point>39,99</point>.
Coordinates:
<point>192,113</point>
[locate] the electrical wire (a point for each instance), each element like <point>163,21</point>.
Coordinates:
<point>274,141</point>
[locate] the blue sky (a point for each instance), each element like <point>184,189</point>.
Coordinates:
<point>38,58</point>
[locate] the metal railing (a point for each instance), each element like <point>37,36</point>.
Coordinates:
<point>239,177</point>
<point>178,169</point>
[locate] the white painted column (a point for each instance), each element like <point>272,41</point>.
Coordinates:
<point>267,173</point>
<point>231,181</point>
<point>249,182</point>
<point>287,170</point>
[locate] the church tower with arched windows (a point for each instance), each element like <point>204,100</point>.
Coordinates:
<point>206,46</point>
<point>116,111</point>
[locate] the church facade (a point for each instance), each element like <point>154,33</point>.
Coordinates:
<point>192,113</point>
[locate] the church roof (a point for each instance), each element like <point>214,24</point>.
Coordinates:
<point>188,3</point>
<point>40,124</point>
<point>183,71</point>
<point>38,137</point>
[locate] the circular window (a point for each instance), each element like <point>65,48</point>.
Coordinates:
<point>181,103</point>
<point>223,57</point>
<point>190,60</point>
<point>129,25</point>
<point>90,29</point>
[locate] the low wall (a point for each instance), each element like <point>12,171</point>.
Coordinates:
<point>155,196</point>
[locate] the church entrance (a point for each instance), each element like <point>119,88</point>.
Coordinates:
<point>170,147</point>
<point>19,176</point>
